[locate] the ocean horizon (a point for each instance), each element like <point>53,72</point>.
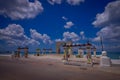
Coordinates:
<point>112,55</point>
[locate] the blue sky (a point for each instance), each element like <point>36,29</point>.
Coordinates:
<point>40,23</point>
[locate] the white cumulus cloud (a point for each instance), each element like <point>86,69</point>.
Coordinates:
<point>70,36</point>
<point>20,9</point>
<point>68,24</point>
<point>109,20</point>
<point>35,35</point>
<point>57,40</point>
<point>75,2</point>
<point>111,15</point>
<point>109,34</point>
<point>52,2</point>
<point>14,34</point>
<point>70,2</point>
<point>43,37</point>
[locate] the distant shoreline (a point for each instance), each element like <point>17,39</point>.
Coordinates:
<point>112,55</point>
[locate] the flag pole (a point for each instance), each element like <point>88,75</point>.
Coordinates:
<point>101,43</point>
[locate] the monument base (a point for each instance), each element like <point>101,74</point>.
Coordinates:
<point>105,61</point>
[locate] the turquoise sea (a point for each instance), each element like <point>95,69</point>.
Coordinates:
<point>112,55</point>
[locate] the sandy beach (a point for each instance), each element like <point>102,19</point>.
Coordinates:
<point>51,67</point>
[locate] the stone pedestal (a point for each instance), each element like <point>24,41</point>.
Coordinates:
<point>81,53</point>
<point>104,60</point>
<point>94,52</point>
<point>70,51</point>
